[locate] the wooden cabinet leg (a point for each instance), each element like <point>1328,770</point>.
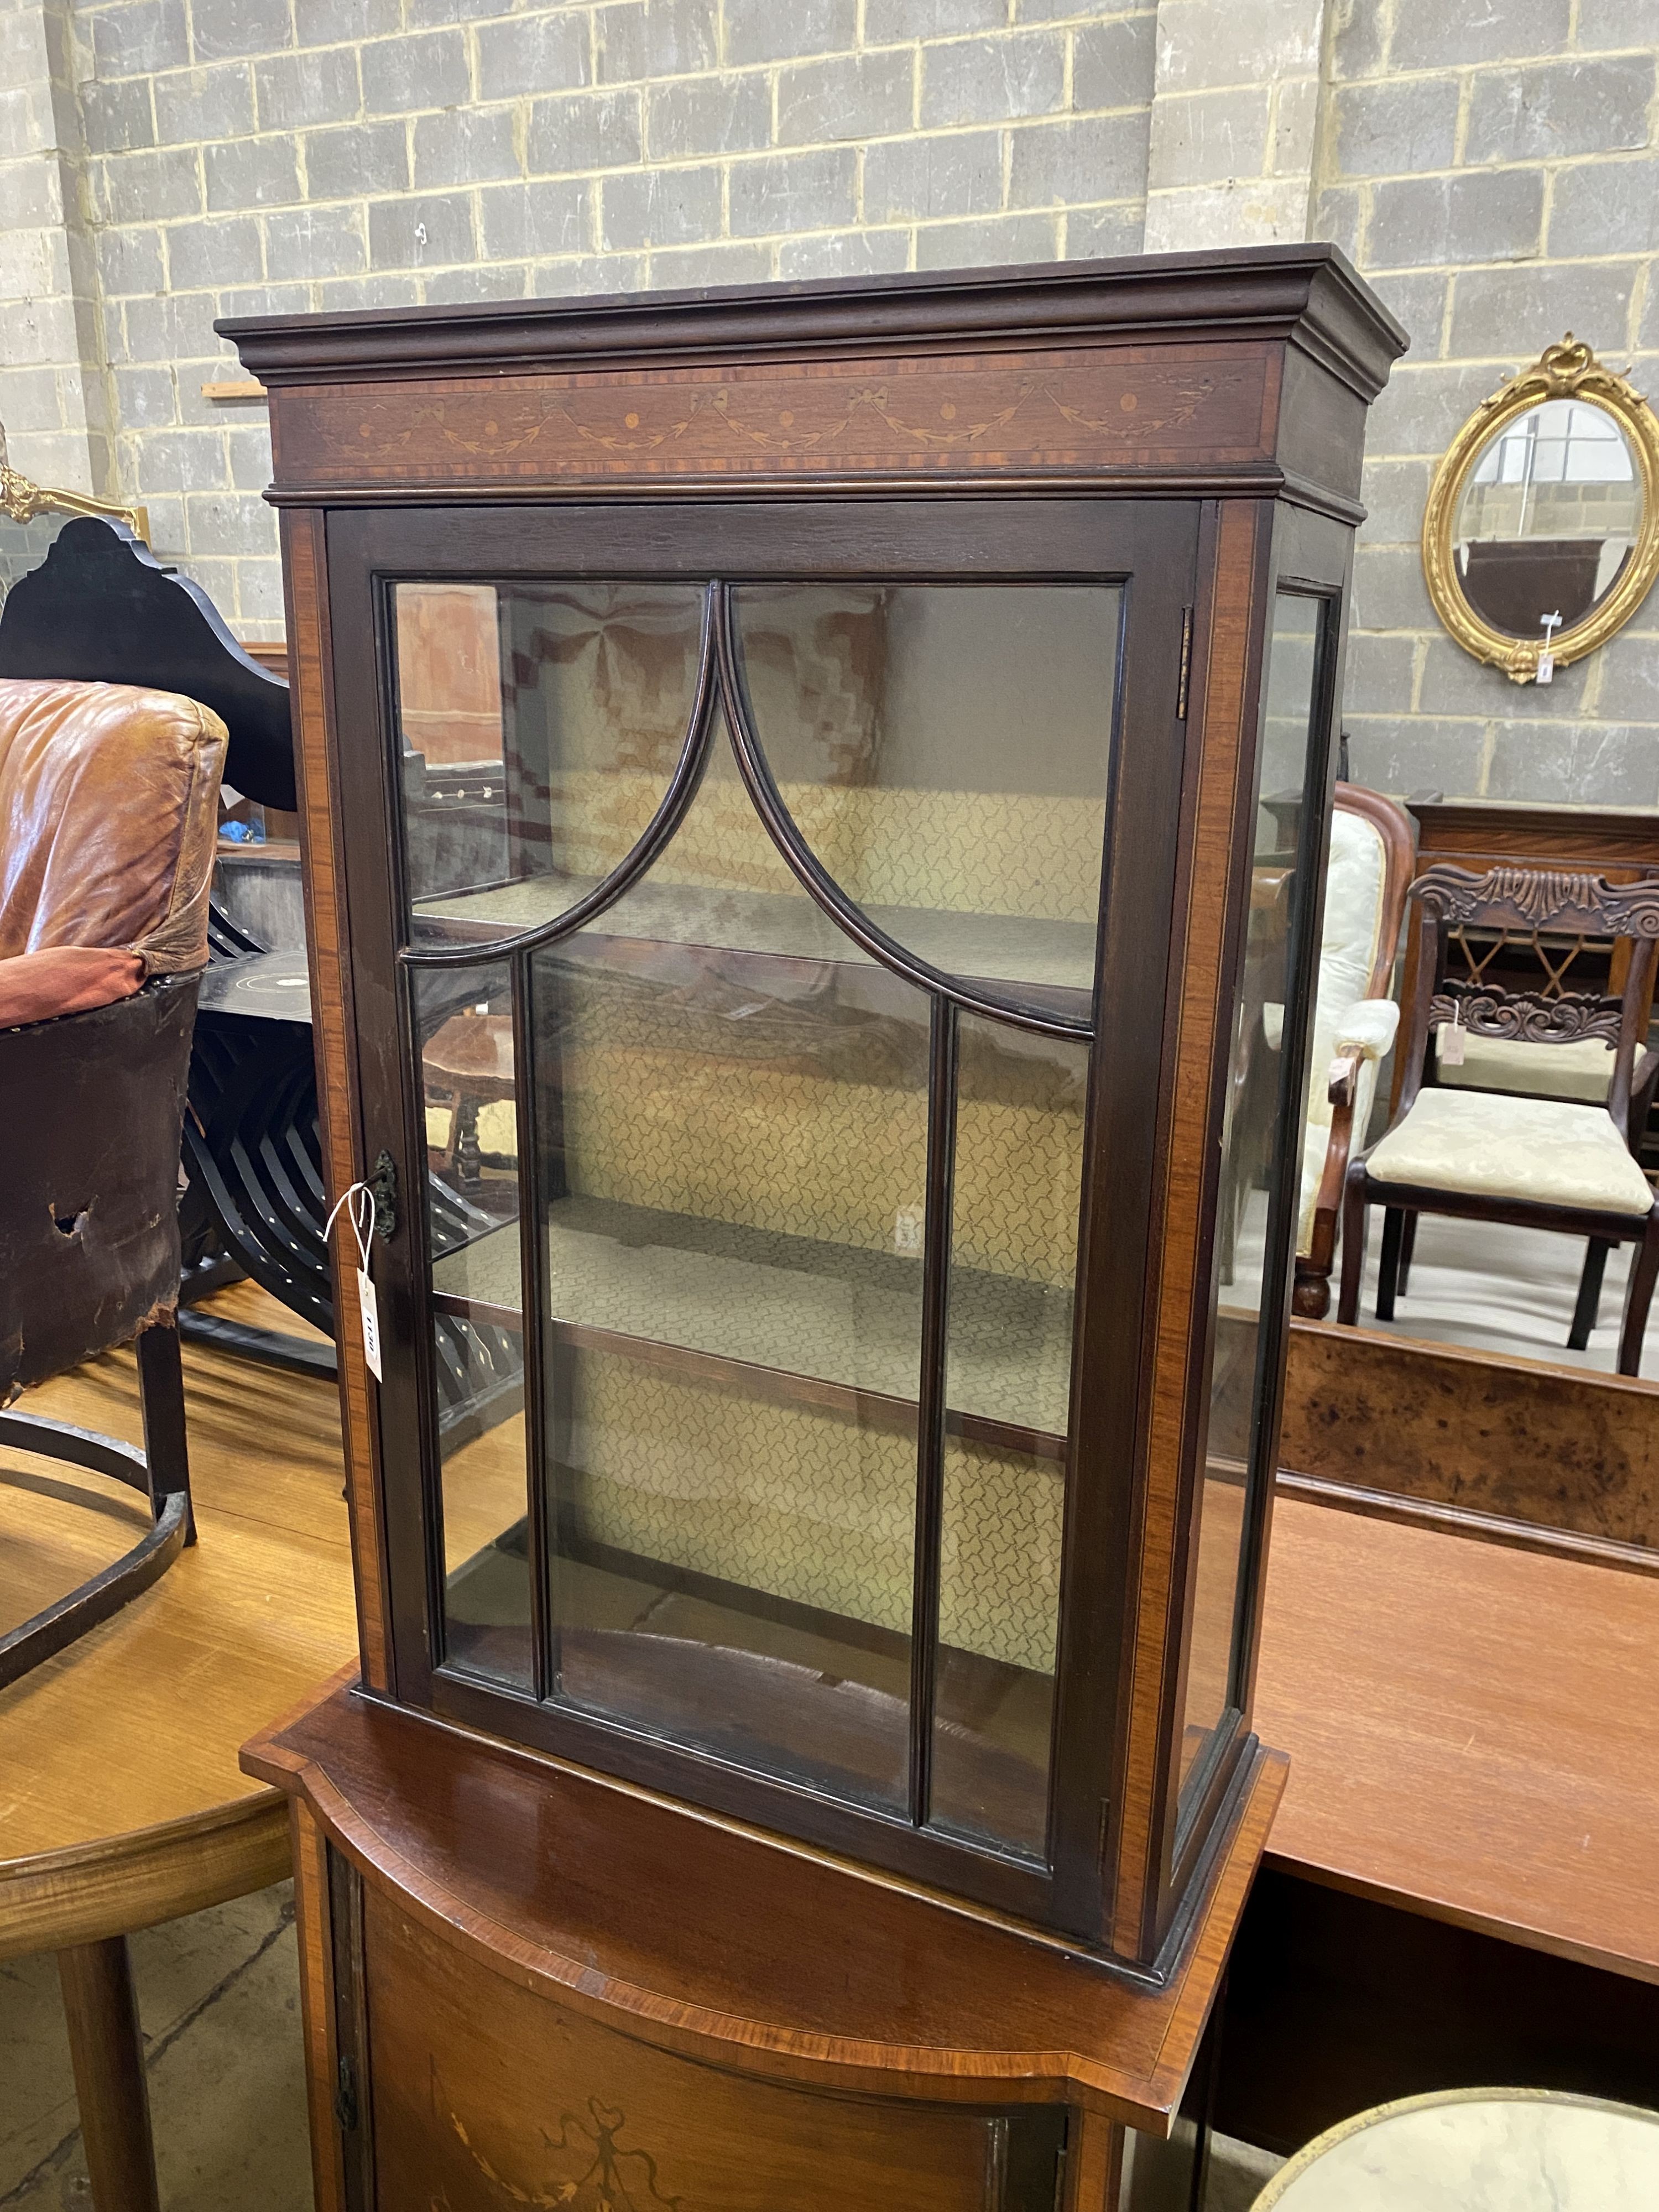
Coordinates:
<point>108,2055</point>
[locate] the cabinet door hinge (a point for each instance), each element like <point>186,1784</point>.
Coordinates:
<point>1186,663</point>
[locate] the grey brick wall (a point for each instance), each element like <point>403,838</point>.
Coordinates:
<point>1493,172</point>
<point>253,156</point>
<point>1494,169</point>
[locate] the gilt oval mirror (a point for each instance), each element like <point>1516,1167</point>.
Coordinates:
<point>1541,536</point>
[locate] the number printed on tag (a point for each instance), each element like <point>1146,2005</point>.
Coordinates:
<point>371,1319</point>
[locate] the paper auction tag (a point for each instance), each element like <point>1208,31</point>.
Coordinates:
<point>357,1204</point>
<point>1452,1033</point>
<point>371,1320</point>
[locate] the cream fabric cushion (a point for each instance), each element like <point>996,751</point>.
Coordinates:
<point>1560,1071</point>
<point>1526,1148</point>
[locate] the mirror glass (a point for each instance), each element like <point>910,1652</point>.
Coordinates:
<point>1547,518</point>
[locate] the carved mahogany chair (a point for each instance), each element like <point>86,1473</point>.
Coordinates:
<point>1538,1160</point>
<point>108,807</point>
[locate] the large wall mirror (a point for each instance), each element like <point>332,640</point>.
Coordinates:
<point>1541,535</point>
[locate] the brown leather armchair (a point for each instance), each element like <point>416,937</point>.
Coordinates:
<point>108,808</point>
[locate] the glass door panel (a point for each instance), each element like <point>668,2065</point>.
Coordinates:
<point>733,1157</point>
<point>1260,1169</point>
<point>942,751</point>
<point>1017,1189</point>
<point>463,1024</point>
<point>539,726</point>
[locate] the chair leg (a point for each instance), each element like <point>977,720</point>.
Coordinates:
<point>1388,1273</point>
<point>108,2052</point>
<point>161,1396</point>
<point>1587,1311</point>
<point>1355,1214</point>
<point>1643,1273</point>
<point>1408,1246</point>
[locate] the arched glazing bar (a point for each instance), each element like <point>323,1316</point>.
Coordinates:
<point>683,787</point>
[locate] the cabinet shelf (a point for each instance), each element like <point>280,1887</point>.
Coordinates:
<point>997,950</point>
<point>789,1318</point>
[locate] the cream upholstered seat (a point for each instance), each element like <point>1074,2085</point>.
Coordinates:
<point>1534,1149</point>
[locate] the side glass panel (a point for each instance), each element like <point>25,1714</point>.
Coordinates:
<point>539,725</point>
<point>1018,1189</point>
<point>1253,1252</point>
<point>464,1020</point>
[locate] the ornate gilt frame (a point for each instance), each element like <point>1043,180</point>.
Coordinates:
<point>1566,371</point>
<point>22,499</point>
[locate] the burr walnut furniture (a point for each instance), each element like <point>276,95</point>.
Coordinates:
<point>833,1677</point>
<point>1553,1458</point>
<point>1546,1162</point>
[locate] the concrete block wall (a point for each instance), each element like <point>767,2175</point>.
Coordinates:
<point>1494,172</point>
<point>1492,169</point>
<point>252,156</point>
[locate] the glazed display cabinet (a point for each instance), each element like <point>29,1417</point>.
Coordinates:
<point>794,928</point>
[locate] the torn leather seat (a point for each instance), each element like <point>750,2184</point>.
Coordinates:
<point>108,811</point>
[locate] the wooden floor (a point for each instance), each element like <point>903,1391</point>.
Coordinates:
<point>140,1722</point>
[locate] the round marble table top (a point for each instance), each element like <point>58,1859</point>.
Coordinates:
<point>1477,2150</point>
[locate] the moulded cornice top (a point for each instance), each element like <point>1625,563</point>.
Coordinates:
<point>1310,295</point>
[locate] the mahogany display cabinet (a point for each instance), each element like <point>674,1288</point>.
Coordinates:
<point>791,913</point>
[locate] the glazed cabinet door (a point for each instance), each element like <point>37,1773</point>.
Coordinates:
<point>758,915</point>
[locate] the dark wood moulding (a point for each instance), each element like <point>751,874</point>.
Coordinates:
<point>1307,292</point>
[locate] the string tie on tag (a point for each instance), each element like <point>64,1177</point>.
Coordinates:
<point>357,1203</point>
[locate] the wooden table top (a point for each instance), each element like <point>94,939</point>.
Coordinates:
<point>121,1799</point>
<point>1474,1731</point>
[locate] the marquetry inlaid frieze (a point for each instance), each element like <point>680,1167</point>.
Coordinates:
<point>1061,413</point>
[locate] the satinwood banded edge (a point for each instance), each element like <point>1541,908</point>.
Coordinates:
<point>305,574</point>
<point>1220,706</point>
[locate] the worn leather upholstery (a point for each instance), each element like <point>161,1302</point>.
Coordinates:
<point>108,815</point>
